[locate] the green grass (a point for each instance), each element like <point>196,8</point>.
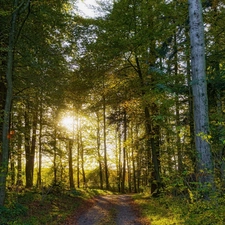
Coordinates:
<point>168,210</point>
<point>37,208</point>
<point>157,212</point>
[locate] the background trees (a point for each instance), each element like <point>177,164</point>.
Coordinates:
<point>124,80</point>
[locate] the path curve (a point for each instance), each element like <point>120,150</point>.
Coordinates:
<point>111,210</point>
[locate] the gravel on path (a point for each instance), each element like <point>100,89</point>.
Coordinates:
<point>111,210</point>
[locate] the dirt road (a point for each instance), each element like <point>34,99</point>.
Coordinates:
<point>111,210</point>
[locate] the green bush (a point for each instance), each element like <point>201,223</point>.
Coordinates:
<point>9,214</point>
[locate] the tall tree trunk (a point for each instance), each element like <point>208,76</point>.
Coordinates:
<point>105,146</point>
<point>30,144</point>
<point>19,161</point>
<point>99,153</point>
<point>119,166</point>
<point>133,159</point>
<point>192,151</point>
<point>153,141</point>
<point>78,153</point>
<point>39,175</point>
<point>124,152</point>
<point>7,107</point>
<point>138,158</point>
<point>54,157</point>
<point>129,180</point>
<point>178,141</point>
<point>12,168</point>
<point>82,161</point>
<point>152,132</point>
<point>3,91</point>
<point>200,98</point>
<point>4,156</point>
<point>70,157</point>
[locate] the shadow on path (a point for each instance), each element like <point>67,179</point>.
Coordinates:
<point>111,210</point>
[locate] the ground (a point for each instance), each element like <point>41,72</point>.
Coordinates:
<point>109,209</point>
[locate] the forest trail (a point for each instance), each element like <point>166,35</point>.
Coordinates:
<point>111,209</point>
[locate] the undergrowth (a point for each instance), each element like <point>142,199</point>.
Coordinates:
<point>54,207</point>
<point>167,210</point>
<point>34,207</point>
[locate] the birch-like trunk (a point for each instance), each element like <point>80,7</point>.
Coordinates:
<point>199,88</point>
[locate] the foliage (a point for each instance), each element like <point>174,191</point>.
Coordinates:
<point>12,213</point>
<point>160,211</point>
<point>176,210</point>
<point>135,58</point>
<point>32,209</point>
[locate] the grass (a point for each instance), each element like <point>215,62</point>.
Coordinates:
<point>167,210</point>
<point>157,212</point>
<point>36,208</point>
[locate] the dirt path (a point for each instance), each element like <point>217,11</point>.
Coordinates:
<point>111,210</point>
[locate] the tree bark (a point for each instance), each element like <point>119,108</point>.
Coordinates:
<point>70,156</point>
<point>124,152</point>
<point>4,156</point>
<point>99,153</point>
<point>133,159</point>
<point>200,98</point>
<point>105,146</point>
<point>78,157</point>
<point>7,108</point>
<point>82,161</point>
<point>19,181</point>
<point>39,175</point>
<point>30,144</point>
<point>119,166</point>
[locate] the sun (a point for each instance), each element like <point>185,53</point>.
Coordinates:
<point>68,122</point>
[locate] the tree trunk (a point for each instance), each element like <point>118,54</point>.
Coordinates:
<point>19,181</point>
<point>30,144</point>
<point>70,156</point>
<point>178,141</point>
<point>54,157</point>
<point>124,152</point>
<point>119,166</point>
<point>7,107</point>
<point>200,98</point>
<point>133,159</point>
<point>39,174</point>
<point>99,153</point>
<point>3,91</point>
<point>152,132</point>
<point>78,159</point>
<point>192,151</point>
<point>12,169</point>
<point>82,161</point>
<point>105,146</point>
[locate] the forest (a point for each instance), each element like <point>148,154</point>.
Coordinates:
<point>130,100</point>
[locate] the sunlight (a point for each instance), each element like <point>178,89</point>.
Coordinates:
<point>86,8</point>
<point>68,122</point>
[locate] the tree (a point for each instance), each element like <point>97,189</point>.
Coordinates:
<point>200,99</point>
<point>17,9</point>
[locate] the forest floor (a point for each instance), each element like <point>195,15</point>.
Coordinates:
<point>109,209</point>
<point>100,207</point>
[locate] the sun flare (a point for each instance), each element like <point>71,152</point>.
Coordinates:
<point>68,122</point>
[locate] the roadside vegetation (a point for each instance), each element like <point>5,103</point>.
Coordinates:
<point>55,206</point>
<point>178,210</point>
<point>50,206</point>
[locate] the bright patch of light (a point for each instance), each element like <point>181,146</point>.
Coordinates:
<point>86,8</point>
<point>68,122</point>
